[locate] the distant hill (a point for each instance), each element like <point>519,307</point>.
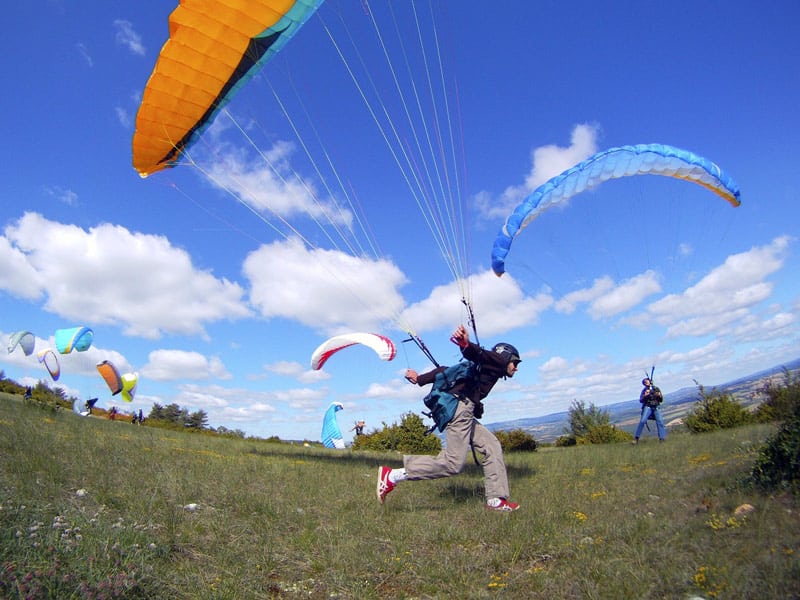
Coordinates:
<point>677,404</point>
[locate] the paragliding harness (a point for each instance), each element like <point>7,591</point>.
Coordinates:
<point>440,401</point>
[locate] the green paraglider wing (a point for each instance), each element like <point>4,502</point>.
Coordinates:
<point>624,161</point>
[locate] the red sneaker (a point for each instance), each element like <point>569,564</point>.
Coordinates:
<point>384,485</point>
<point>503,505</point>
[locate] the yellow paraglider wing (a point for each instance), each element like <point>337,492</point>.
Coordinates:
<point>213,49</point>
<point>129,382</point>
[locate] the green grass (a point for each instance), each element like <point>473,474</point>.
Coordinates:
<point>97,509</point>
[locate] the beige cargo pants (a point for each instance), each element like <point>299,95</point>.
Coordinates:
<point>450,461</point>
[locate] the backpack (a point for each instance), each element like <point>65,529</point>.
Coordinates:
<point>440,401</point>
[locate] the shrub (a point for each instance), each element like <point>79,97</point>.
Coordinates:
<point>715,410</point>
<point>566,440</point>
<point>605,434</point>
<point>582,419</point>
<point>778,462</point>
<point>409,437</point>
<point>782,400</point>
<point>516,440</point>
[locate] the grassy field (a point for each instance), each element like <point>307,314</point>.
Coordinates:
<point>91,508</point>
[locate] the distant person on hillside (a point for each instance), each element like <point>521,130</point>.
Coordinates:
<point>650,399</point>
<point>359,427</point>
<point>456,409</point>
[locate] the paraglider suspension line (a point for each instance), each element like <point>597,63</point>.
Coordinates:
<point>471,319</point>
<point>421,345</point>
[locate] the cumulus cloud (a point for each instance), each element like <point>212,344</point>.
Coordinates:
<point>327,290</point>
<point>723,296</point>
<point>268,183</point>
<point>174,365</point>
<point>546,162</point>
<point>79,273</point>
<point>17,276</point>
<point>501,303</point>
<point>606,298</point>
<point>127,36</point>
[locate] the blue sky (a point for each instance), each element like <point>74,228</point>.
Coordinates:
<point>218,306</point>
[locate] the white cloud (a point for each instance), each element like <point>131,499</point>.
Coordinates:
<point>68,197</point>
<point>723,296</point>
<point>755,329</point>
<point>173,365</point>
<point>17,276</point>
<point>268,183</point>
<point>126,36</point>
<point>500,302</point>
<point>569,303</point>
<point>297,371</point>
<point>124,117</point>
<point>84,52</point>
<point>606,298</point>
<point>546,162</point>
<point>111,275</point>
<point>327,290</point>
<point>625,296</point>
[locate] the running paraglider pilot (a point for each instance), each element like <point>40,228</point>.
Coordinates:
<point>359,427</point>
<point>455,407</point>
<point>650,399</point>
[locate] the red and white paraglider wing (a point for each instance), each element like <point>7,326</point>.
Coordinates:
<point>383,347</point>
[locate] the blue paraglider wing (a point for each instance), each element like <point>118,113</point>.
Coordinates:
<point>623,161</point>
<point>331,434</point>
<point>74,338</point>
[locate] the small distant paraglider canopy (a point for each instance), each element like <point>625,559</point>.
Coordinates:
<point>129,383</point>
<point>24,339</point>
<point>50,361</point>
<point>381,345</point>
<point>331,434</point>
<point>74,338</point>
<point>111,376</point>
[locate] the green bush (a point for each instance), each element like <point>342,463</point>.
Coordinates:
<point>566,440</point>
<point>516,440</point>
<point>409,437</point>
<point>778,462</point>
<point>582,419</point>
<point>782,400</point>
<point>605,434</point>
<point>715,410</point>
